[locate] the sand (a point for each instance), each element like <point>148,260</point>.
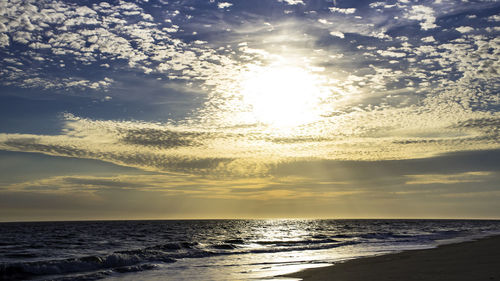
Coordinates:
<point>471,261</point>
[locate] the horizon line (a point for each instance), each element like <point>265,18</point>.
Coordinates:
<point>269,218</point>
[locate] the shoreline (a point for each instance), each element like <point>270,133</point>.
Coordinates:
<point>475,260</point>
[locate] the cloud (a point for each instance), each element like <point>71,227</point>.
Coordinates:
<point>160,138</point>
<point>320,187</point>
<point>428,39</point>
<point>149,47</point>
<point>494,18</point>
<point>324,21</point>
<point>346,11</point>
<point>391,54</point>
<point>22,37</point>
<point>261,189</point>
<point>468,177</point>
<point>293,2</point>
<point>223,5</point>
<point>337,34</point>
<point>209,149</point>
<point>424,14</point>
<point>101,34</point>
<point>464,29</point>
<point>382,97</point>
<point>488,124</point>
<point>4,40</point>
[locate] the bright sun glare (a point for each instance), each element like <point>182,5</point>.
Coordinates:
<point>282,96</point>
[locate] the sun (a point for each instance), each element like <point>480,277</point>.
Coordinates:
<point>282,95</point>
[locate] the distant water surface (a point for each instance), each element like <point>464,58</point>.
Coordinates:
<point>210,249</point>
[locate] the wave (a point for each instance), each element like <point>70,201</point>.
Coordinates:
<point>174,246</point>
<point>304,247</point>
<point>235,241</point>
<point>384,235</point>
<point>225,246</point>
<point>144,259</point>
<point>119,262</point>
<point>295,242</point>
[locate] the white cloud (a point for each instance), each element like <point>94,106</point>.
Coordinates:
<point>4,40</point>
<point>38,45</point>
<point>293,2</point>
<point>377,4</point>
<point>337,34</point>
<point>494,18</point>
<point>386,53</point>
<point>174,28</point>
<point>423,14</point>
<point>464,29</point>
<point>223,5</point>
<point>22,37</point>
<point>346,11</point>
<point>493,29</point>
<point>85,11</point>
<point>324,21</point>
<point>468,177</point>
<point>428,39</point>
<point>144,45</point>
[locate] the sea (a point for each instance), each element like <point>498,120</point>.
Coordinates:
<point>211,249</point>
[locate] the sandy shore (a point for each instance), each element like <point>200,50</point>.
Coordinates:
<point>471,261</point>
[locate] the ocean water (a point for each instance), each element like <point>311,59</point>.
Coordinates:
<point>210,249</point>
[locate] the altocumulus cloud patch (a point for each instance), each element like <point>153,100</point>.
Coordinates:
<point>390,79</point>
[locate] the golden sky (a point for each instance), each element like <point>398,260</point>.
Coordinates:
<point>277,108</point>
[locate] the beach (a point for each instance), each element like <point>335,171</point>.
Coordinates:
<point>468,261</point>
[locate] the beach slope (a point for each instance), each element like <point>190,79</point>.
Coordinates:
<point>468,261</point>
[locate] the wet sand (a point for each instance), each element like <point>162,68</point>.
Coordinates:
<point>468,261</point>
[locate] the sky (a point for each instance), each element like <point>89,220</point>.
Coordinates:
<point>249,109</point>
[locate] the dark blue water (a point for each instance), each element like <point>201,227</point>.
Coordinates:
<point>209,249</point>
